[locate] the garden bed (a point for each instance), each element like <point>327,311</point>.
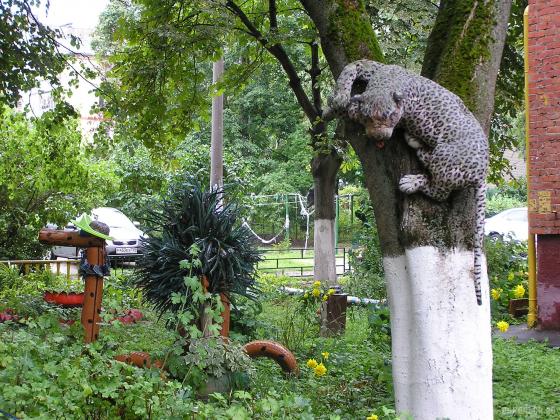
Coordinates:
<point>63,376</point>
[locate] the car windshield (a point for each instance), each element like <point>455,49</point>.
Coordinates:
<point>113,218</point>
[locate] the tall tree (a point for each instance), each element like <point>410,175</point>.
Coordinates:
<point>163,53</point>
<point>427,246</point>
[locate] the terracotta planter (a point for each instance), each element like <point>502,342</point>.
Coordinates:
<point>65,299</point>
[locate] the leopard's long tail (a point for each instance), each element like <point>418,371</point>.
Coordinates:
<point>478,239</point>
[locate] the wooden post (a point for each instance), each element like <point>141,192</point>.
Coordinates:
<point>333,314</point>
<point>226,315</point>
<point>93,295</point>
<point>206,321</point>
<point>64,238</point>
<point>95,255</point>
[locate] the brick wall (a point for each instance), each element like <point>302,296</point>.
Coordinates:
<point>544,109</point>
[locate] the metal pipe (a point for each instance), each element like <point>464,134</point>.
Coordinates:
<point>531,249</point>
<point>352,300</point>
<point>336,216</point>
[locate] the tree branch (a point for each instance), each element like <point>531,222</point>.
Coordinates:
<point>272,15</point>
<point>315,72</point>
<point>280,54</point>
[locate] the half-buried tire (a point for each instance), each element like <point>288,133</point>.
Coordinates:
<point>274,351</point>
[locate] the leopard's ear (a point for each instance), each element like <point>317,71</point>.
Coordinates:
<point>398,97</point>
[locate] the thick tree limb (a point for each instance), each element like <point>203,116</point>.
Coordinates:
<point>272,15</point>
<point>463,29</point>
<point>280,54</point>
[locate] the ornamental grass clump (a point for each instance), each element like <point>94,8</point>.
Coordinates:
<point>191,217</point>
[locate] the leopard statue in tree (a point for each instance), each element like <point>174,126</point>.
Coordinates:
<point>449,141</point>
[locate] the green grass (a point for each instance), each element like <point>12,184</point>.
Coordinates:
<point>274,261</point>
<point>526,380</point>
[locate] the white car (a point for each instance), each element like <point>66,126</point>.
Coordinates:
<point>512,223</point>
<point>126,235</point>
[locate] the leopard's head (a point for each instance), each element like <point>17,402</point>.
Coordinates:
<point>378,111</point>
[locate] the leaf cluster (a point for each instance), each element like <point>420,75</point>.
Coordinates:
<point>46,372</point>
<point>29,50</point>
<point>42,176</point>
<point>192,217</point>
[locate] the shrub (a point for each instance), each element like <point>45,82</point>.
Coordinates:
<point>42,175</point>
<point>192,225</point>
<point>507,270</point>
<point>506,197</point>
<point>47,372</point>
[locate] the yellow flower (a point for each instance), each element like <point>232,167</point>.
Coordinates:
<point>312,363</point>
<point>496,293</point>
<point>502,326</point>
<point>511,276</point>
<point>320,370</point>
<point>325,298</point>
<point>316,292</point>
<point>325,355</point>
<point>372,417</point>
<point>317,284</point>
<point>330,292</point>
<point>519,291</point>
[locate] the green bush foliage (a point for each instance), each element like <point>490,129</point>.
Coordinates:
<point>44,177</point>
<point>507,272</point>
<point>45,371</point>
<point>367,278</point>
<point>506,197</point>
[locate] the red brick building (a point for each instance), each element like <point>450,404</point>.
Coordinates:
<point>544,154</point>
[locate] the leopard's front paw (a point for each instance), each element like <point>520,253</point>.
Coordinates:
<point>411,183</point>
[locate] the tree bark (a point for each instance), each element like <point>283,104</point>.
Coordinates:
<point>464,51</point>
<point>325,168</point>
<point>440,336</point>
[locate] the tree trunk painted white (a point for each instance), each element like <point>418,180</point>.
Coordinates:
<point>324,261</point>
<point>441,338</point>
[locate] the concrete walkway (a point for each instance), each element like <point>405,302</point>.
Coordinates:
<point>523,334</point>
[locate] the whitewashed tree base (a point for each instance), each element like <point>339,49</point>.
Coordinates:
<point>441,338</point>
<point>324,261</point>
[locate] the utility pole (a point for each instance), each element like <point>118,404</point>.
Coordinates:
<point>217,140</point>
<point>216,159</point>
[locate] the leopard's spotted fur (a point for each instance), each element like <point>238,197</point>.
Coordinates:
<point>448,139</point>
